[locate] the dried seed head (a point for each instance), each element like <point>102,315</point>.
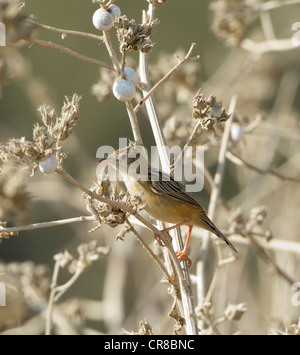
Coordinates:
<point>133,37</point>
<point>235,311</point>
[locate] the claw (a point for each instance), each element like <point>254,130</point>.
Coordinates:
<point>158,240</point>
<point>181,255</point>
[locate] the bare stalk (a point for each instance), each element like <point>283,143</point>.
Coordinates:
<point>186,302</point>
<point>216,191</point>
<point>134,123</point>
<point>187,58</point>
<point>65,32</point>
<point>243,163</point>
<point>71,53</point>
<point>42,225</point>
<point>111,51</point>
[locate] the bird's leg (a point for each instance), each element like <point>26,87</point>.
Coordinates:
<point>166,233</point>
<point>182,255</point>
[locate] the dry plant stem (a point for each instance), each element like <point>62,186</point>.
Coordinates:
<point>267,26</point>
<point>187,58</point>
<point>71,53</point>
<point>200,269</point>
<point>267,258</point>
<point>243,163</point>
<point>187,144</point>
<point>51,299</point>
<point>111,52</point>
<point>185,302</point>
<point>128,210</point>
<point>277,45</point>
<point>153,256</point>
<point>271,5</point>
<point>134,123</point>
<point>213,283</point>
<point>57,292</point>
<point>50,224</point>
<point>67,32</point>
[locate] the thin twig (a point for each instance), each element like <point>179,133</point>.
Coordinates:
<point>278,45</point>
<point>268,259</point>
<point>63,31</point>
<point>153,256</point>
<point>129,210</point>
<point>200,269</point>
<point>185,304</point>
<point>71,53</point>
<point>242,162</point>
<point>134,123</point>
<point>111,51</point>
<point>271,5</point>
<point>187,58</point>
<point>187,144</point>
<point>50,224</point>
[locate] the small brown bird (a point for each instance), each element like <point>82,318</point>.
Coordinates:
<point>165,199</point>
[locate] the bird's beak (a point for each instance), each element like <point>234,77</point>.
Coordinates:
<point>101,160</point>
<point>107,160</point>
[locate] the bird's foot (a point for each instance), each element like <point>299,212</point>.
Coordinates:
<point>181,255</point>
<point>158,240</point>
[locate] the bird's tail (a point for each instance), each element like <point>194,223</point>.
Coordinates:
<point>217,232</point>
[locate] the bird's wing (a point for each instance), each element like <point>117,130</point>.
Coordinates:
<point>163,183</point>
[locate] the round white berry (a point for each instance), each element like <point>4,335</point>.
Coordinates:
<point>48,165</point>
<point>103,20</point>
<point>131,75</point>
<point>124,90</point>
<point>115,11</point>
<point>237,132</point>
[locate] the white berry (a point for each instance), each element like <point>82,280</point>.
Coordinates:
<point>103,20</point>
<point>124,90</point>
<point>237,132</point>
<point>115,11</point>
<point>131,75</point>
<point>48,165</point>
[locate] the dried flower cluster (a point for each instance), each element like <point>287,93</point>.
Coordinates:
<point>229,20</point>
<point>253,224</point>
<point>108,214</point>
<point>14,199</point>
<point>145,329</point>
<point>233,312</point>
<point>133,37</point>
<point>27,286</point>
<point>87,254</point>
<point>47,139</point>
<point>11,14</point>
<point>175,97</point>
<point>103,88</point>
<point>208,111</point>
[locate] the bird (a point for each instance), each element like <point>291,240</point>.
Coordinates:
<point>165,199</point>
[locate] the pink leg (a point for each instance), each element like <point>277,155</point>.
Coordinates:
<point>166,230</point>
<point>182,255</point>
